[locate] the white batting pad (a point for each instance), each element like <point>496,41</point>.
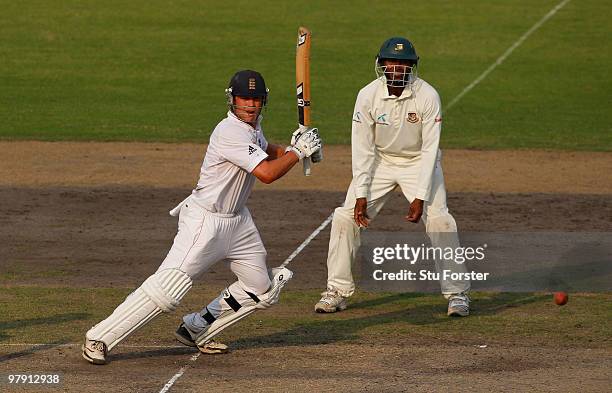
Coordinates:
<point>161,292</point>
<point>230,317</point>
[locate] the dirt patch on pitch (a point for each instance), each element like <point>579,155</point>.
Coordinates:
<point>107,237</point>
<point>70,209</point>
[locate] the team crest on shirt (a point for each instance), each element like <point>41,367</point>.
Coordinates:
<point>412,117</point>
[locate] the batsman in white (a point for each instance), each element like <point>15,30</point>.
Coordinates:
<point>214,225</point>
<point>395,136</point>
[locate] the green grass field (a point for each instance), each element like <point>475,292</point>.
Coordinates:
<point>534,318</point>
<point>156,71</point>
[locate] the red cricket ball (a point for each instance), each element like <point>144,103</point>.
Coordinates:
<point>560,298</point>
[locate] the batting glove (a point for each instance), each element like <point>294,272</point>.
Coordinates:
<point>305,143</point>
<point>317,156</point>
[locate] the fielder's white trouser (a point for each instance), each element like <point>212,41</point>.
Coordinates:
<point>441,228</point>
<point>203,239</point>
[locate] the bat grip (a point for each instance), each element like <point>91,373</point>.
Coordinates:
<point>307,164</point>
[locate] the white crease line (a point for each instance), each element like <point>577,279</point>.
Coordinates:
<point>507,53</point>
<point>179,374</point>
<point>308,240</point>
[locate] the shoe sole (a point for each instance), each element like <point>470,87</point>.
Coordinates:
<point>90,359</point>
<point>214,348</point>
<point>184,340</point>
<point>458,314</point>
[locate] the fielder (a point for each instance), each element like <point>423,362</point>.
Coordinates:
<point>395,137</point>
<point>215,224</point>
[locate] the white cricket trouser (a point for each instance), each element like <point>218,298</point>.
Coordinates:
<point>205,238</point>
<point>441,228</point>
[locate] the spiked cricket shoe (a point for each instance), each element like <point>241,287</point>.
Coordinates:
<point>331,301</point>
<point>458,305</point>
<point>184,337</point>
<point>94,351</point>
<point>213,347</point>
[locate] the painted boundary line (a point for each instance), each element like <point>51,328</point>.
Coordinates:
<point>507,53</point>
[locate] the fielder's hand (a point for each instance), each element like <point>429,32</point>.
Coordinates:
<point>361,212</point>
<point>306,143</point>
<point>416,211</point>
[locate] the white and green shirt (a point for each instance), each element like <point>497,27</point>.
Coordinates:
<point>399,131</point>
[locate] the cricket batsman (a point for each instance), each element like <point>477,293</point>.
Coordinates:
<point>214,225</point>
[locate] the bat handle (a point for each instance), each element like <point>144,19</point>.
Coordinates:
<point>307,165</point>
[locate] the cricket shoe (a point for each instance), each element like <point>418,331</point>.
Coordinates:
<point>182,334</point>
<point>212,347</point>
<point>94,351</point>
<point>458,305</point>
<point>331,301</point>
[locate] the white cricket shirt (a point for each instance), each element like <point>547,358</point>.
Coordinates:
<point>234,150</point>
<point>401,131</point>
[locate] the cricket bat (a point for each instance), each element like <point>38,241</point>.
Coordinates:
<point>302,83</point>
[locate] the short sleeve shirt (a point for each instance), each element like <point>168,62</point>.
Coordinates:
<point>235,149</point>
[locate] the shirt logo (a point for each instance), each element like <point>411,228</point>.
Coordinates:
<point>252,150</point>
<point>357,117</point>
<point>438,120</point>
<point>382,119</point>
<point>412,117</point>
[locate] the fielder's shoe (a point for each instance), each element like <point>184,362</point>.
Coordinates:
<point>184,337</point>
<point>458,305</point>
<point>331,301</point>
<point>94,351</point>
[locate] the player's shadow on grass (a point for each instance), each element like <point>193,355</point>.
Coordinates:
<point>32,350</point>
<point>46,321</point>
<point>341,328</point>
